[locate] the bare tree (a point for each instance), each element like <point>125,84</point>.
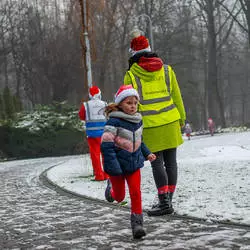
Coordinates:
<point>40,50</point>
<point>215,100</point>
<point>245,6</point>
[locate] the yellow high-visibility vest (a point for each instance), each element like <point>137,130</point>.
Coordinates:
<point>156,104</point>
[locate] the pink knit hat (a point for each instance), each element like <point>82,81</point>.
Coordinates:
<point>125,91</point>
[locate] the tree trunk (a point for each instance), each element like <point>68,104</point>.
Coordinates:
<point>215,104</point>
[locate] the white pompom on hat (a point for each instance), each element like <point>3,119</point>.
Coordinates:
<point>125,91</point>
<point>139,43</point>
<point>94,92</point>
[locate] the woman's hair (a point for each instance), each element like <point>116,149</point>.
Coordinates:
<point>137,57</point>
<point>112,107</point>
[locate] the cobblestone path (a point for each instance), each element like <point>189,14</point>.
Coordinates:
<point>33,216</point>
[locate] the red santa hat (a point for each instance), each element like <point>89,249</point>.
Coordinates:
<point>94,92</point>
<point>125,91</point>
<point>139,43</point>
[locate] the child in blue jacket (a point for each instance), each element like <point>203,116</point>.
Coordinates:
<point>124,153</point>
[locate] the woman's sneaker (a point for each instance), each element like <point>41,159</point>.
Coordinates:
<point>108,195</point>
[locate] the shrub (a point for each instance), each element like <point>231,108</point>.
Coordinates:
<point>21,143</point>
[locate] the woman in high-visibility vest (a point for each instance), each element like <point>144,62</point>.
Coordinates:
<point>163,115</point>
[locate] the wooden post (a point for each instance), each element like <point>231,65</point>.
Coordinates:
<point>85,44</point>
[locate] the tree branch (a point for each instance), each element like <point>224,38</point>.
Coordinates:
<point>234,16</point>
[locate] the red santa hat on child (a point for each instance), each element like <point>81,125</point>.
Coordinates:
<point>125,91</point>
<point>139,43</point>
<point>94,92</point>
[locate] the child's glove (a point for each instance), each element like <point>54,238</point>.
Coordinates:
<point>151,157</point>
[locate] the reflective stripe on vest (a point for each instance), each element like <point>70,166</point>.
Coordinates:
<point>167,78</point>
<point>88,110</point>
<point>157,107</point>
<point>95,128</point>
<point>95,125</point>
<point>155,112</point>
<point>150,101</point>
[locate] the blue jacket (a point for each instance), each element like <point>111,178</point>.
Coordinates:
<point>122,146</point>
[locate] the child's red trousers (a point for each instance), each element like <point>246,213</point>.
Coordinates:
<point>134,186</point>
<point>95,155</point>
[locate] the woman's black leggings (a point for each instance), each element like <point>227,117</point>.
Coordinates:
<point>165,168</point>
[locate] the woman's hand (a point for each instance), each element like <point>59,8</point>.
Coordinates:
<point>151,157</point>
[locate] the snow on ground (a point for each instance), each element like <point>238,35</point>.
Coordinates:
<point>213,178</point>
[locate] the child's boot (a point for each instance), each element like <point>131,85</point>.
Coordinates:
<point>163,207</point>
<point>137,226</point>
<point>108,195</point>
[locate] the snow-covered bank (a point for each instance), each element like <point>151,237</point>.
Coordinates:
<point>213,181</point>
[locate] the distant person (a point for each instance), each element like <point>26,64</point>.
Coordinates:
<point>124,153</point>
<point>163,116</point>
<point>188,130</point>
<point>211,126</point>
<point>92,112</point>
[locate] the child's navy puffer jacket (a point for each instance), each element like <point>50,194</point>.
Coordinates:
<point>122,146</point>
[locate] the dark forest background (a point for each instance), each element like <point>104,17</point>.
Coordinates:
<point>207,42</point>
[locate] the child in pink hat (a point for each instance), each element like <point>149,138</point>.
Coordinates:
<point>124,153</point>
